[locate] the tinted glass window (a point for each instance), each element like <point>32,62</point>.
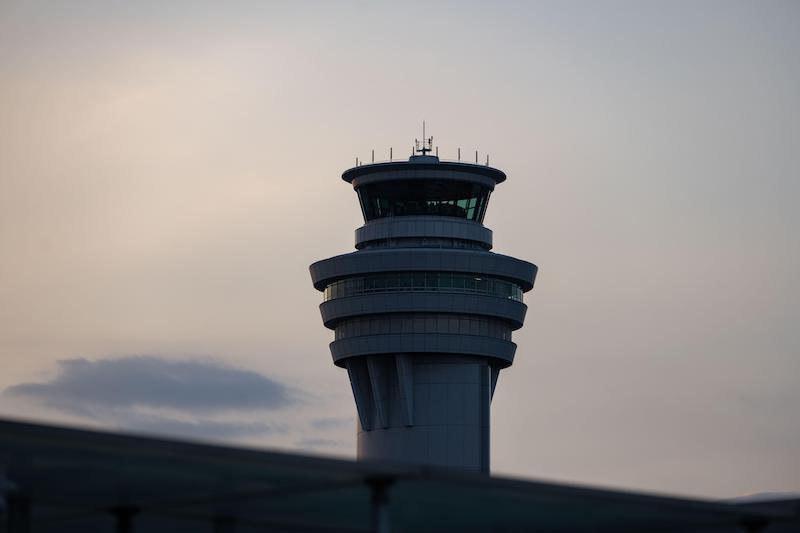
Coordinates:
<point>423,282</point>
<point>424,197</point>
<point>446,324</point>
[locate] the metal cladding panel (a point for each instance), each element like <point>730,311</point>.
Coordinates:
<point>423,226</point>
<point>410,259</point>
<point>405,170</point>
<point>451,418</point>
<point>370,262</point>
<point>339,309</point>
<point>379,177</point>
<point>500,351</point>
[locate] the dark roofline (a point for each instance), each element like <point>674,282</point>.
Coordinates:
<point>470,168</point>
<point>17,439</point>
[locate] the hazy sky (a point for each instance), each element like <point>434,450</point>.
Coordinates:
<point>168,173</point>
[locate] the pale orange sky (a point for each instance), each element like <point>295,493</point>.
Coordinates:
<point>167,174</point>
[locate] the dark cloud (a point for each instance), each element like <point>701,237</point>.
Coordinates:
<point>323,424</point>
<point>145,381</point>
<point>160,396</point>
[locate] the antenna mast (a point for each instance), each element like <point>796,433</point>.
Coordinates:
<point>427,144</point>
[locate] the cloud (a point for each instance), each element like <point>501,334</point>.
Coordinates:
<point>147,381</point>
<point>323,424</point>
<point>161,396</point>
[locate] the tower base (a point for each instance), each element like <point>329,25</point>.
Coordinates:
<point>424,409</point>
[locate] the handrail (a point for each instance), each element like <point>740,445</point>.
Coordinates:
<point>405,160</point>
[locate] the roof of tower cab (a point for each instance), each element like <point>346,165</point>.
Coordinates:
<point>427,163</point>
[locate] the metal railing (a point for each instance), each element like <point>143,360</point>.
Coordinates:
<point>360,163</point>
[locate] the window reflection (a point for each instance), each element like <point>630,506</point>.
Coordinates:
<point>424,197</point>
<point>423,282</point>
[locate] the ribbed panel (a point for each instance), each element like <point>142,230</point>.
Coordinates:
<point>499,351</point>
<point>450,408</point>
<point>333,311</point>
<point>413,259</point>
<point>423,227</point>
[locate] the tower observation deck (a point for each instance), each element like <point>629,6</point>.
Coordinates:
<point>423,311</point>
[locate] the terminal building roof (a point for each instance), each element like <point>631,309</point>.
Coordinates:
<point>60,479</point>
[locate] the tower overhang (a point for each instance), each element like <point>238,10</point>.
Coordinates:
<point>423,259</point>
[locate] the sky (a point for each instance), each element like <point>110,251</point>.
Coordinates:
<point>168,171</point>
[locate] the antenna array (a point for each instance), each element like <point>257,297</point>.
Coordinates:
<point>422,147</point>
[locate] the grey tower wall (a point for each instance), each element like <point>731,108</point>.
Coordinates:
<point>423,313</point>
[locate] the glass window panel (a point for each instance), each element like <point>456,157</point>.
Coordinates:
<point>445,280</point>
<point>469,283</point>
<point>422,281</point>
<point>481,285</point>
<point>420,197</point>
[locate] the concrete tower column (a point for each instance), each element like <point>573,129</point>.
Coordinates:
<point>423,311</point>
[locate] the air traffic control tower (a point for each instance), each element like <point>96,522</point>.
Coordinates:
<point>423,311</point>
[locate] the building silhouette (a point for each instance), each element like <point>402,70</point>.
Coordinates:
<point>423,312</point>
